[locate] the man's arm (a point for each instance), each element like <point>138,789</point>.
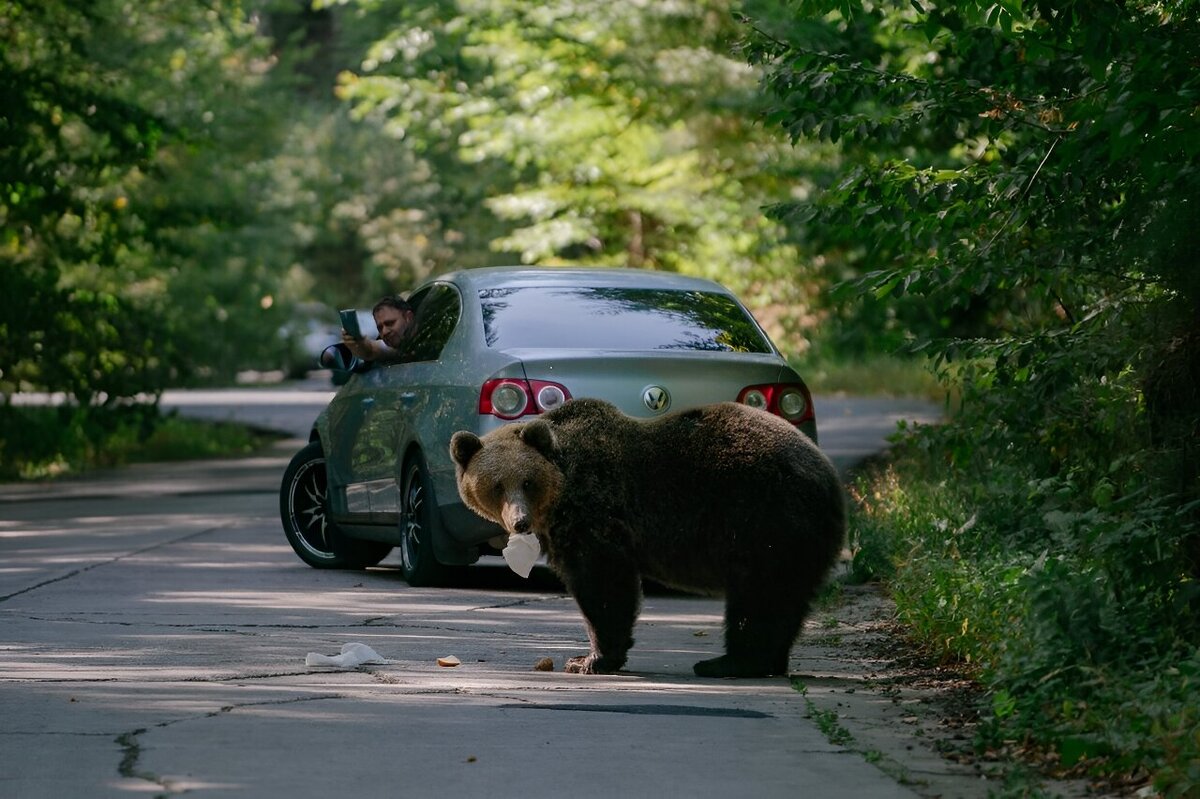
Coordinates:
<point>365,348</point>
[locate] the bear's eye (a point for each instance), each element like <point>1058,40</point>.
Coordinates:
<point>527,485</point>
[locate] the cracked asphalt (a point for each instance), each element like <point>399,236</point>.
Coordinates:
<point>155,625</point>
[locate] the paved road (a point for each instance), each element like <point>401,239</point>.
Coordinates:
<point>155,627</point>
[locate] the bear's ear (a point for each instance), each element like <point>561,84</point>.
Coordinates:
<point>463,445</point>
<point>539,435</point>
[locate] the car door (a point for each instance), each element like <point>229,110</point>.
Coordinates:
<point>374,418</point>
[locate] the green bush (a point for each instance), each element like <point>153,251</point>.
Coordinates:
<point>1045,550</point>
<point>39,442</point>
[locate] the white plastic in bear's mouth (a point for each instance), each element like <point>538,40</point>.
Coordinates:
<point>521,552</point>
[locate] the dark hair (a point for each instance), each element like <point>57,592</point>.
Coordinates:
<point>393,301</point>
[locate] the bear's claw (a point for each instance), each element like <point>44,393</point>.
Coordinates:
<point>592,664</point>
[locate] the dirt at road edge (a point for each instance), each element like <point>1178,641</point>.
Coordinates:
<point>913,720</point>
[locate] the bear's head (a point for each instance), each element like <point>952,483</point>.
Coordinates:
<point>508,476</point>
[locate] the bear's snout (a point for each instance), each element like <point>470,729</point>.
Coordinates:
<point>515,518</point>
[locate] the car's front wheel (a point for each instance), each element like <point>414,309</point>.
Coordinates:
<point>302,509</point>
<point>418,523</point>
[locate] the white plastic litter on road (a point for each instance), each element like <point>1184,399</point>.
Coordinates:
<point>353,655</point>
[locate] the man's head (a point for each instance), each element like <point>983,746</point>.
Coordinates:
<point>394,318</point>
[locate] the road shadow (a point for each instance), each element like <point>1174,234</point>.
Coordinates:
<point>492,574</point>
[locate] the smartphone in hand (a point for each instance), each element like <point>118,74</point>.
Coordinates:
<point>349,317</point>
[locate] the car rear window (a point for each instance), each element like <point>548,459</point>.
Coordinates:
<point>573,317</point>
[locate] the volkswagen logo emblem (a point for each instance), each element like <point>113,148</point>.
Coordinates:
<point>656,398</point>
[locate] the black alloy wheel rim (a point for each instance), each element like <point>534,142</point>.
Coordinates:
<point>414,502</point>
<point>308,508</point>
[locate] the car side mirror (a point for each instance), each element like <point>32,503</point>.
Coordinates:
<point>339,358</point>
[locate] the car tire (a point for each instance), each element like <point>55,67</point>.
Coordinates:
<point>302,509</point>
<point>419,523</point>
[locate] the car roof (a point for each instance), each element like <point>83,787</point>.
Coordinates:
<point>508,276</point>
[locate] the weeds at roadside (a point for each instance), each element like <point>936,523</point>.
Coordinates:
<point>1067,595</point>
<point>830,725</point>
<point>826,720</point>
<point>46,442</point>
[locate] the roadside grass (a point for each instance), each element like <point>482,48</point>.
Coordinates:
<point>874,375</point>
<point>47,442</point>
<point>826,720</point>
<point>1069,597</point>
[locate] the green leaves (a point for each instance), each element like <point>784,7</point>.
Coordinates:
<point>132,135</point>
<point>610,134</point>
<point>991,155</point>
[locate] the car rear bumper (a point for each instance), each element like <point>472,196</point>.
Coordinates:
<point>465,527</point>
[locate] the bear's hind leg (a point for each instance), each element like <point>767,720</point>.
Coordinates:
<point>759,633</point>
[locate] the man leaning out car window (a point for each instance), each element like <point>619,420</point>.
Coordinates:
<point>394,319</point>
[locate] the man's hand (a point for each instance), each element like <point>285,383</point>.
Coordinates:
<point>360,347</point>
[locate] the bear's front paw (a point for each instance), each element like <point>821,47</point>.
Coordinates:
<point>592,664</point>
<point>579,665</point>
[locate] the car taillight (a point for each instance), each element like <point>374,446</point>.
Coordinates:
<point>788,400</point>
<point>512,398</point>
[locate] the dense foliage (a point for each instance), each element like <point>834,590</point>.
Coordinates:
<point>588,132</point>
<point>126,264</point>
<point>117,191</point>
<point>1018,198</point>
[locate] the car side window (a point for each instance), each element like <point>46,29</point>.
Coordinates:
<point>438,309</point>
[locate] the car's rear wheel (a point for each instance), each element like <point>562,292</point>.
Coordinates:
<point>418,526</point>
<point>302,509</point>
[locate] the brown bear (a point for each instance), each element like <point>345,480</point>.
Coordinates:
<point>722,499</point>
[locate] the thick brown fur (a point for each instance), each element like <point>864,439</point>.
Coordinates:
<point>723,499</point>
